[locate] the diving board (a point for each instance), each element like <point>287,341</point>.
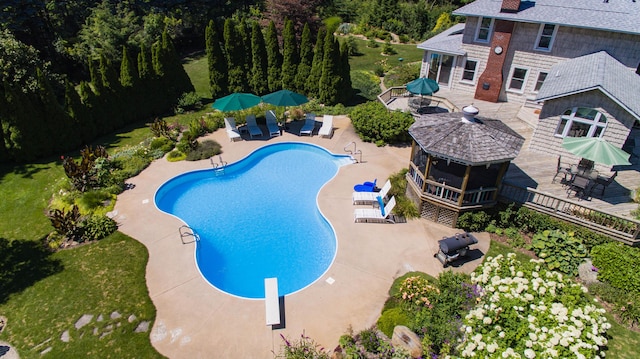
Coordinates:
<point>272,301</point>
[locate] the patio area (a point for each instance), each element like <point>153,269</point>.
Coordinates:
<point>195,320</point>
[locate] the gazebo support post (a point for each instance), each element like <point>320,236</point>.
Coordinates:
<point>426,173</point>
<point>463,188</point>
<point>503,169</point>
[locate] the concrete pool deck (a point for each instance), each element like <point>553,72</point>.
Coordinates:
<point>195,320</point>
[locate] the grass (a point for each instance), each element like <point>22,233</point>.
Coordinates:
<point>370,57</point>
<point>197,69</point>
<point>96,279</point>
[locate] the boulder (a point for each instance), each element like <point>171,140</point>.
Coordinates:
<point>404,338</point>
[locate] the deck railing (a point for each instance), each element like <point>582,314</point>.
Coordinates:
<point>448,194</point>
<point>623,229</point>
<point>400,91</point>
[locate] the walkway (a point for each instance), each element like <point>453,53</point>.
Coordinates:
<point>195,320</point>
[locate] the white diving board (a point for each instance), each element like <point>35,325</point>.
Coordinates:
<point>272,301</point>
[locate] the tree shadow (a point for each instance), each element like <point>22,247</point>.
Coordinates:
<point>23,263</point>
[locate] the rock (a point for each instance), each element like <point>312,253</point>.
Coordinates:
<point>100,318</point>
<point>65,337</point>
<point>587,272</point>
<point>84,320</point>
<point>404,338</point>
<point>115,315</point>
<point>46,350</point>
<point>142,327</point>
<point>132,318</point>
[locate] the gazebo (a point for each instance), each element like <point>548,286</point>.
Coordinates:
<point>457,163</point>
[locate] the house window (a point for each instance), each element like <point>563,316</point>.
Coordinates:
<point>581,122</point>
<point>546,34</point>
<point>541,77</point>
<point>518,78</point>
<point>483,31</point>
<point>469,71</point>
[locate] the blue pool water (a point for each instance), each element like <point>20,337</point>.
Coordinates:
<point>259,218</point>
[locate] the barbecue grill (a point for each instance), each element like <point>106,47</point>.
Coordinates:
<point>454,247</point>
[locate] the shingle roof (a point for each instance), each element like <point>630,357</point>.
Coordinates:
<point>615,15</point>
<point>597,71</point>
<point>475,143</point>
<point>448,41</point>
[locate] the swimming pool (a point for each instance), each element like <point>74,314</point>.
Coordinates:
<point>258,218</point>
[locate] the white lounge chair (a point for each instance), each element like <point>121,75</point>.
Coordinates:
<point>272,123</point>
<point>254,130</point>
<point>371,197</point>
<point>379,215</point>
<point>232,130</point>
<point>309,124</point>
<point>327,126</point>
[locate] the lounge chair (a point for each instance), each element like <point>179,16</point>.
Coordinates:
<point>327,126</point>
<point>272,124</point>
<point>371,197</point>
<point>232,130</point>
<point>379,215</point>
<point>365,187</point>
<point>254,130</point>
<point>309,125</point>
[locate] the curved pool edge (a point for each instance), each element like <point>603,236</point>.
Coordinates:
<point>238,162</point>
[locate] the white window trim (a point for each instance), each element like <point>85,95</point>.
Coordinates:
<point>553,38</point>
<point>524,81</point>
<point>572,117</point>
<point>537,77</point>
<point>475,72</point>
<point>476,39</point>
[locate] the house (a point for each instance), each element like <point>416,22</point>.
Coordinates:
<point>577,61</point>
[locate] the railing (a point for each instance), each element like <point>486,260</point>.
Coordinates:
<point>188,232</point>
<point>353,152</point>
<point>400,91</point>
<point>623,229</point>
<point>448,194</point>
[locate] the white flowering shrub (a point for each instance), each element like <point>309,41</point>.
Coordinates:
<point>526,311</point>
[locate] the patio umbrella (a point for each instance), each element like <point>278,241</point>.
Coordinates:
<point>285,98</point>
<point>596,150</point>
<point>236,101</point>
<point>423,86</point>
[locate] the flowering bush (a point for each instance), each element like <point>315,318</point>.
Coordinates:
<point>304,348</point>
<point>415,291</point>
<point>528,311</point>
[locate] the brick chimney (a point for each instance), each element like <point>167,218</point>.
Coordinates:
<point>510,6</point>
<point>491,81</point>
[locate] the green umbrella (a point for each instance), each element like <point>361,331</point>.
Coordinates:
<point>423,86</point>
<point>236,101</point>
<point>285,98</point>
<point>596,150</point>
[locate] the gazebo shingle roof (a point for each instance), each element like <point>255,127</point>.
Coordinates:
<point>479,142</point>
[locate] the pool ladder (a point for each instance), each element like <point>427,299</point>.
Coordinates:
<point>188,232</point>
<point>218,168</point>
<point>353,152</point>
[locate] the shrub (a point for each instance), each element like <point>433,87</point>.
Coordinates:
<point>90,201</point>
<point>352,46</point>
<point>372,43</point>
<point>374,123</point>
<point>332,23</point>
<point>188,101</point>
<point>559,250</point>
<point>401,75</point>
<point>206,149</point>
<point>303,348</point>
<point>366,83</point>
<point>387,49</point>
<point>527,311</point>
<point>368,338</point>
<point>175,156</point>
<point>474,221</point>
<point>618,265</point>
<point>623,304</point>
<point>97,227</point>
<point>161,143</point>
<point>404,39</point>
<point>390,318</point>
<point>416,292</point>
<point>66,223</point>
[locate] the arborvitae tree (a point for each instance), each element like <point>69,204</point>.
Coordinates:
<point>112,109</point>
<point>127,74</point>
<point>306,60</point>
<point>313,83</point>
<point>4,153</point>
<point>176,80</point>
<point>259,81</point>
<point>156,56</point>
<point>235,58</point>
<point>26,132</point>
<point>144,64</point>
<point>96,79</point>
<point>290,55</point>
<point>330,79</point>
<point>81,117</point>
<point>59,133</point>
<point>345,74</point>
<point>244,34</point>
<point>216,61</point>
<point>274,57</point>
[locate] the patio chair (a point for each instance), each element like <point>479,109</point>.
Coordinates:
<point>604,182</point>
<point>366,186</point>
<point>254,130</point>
<point>232,130</point>
<point>579,185</point>
<point>371,197</point>
<point>309,125</point>
<point>376,215</point>
<point>327,126</point>
<point>561,170</point>
<point>272,124</point>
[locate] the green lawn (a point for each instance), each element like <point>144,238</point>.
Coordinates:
<point>197,70</point>
<point>371,57</point>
